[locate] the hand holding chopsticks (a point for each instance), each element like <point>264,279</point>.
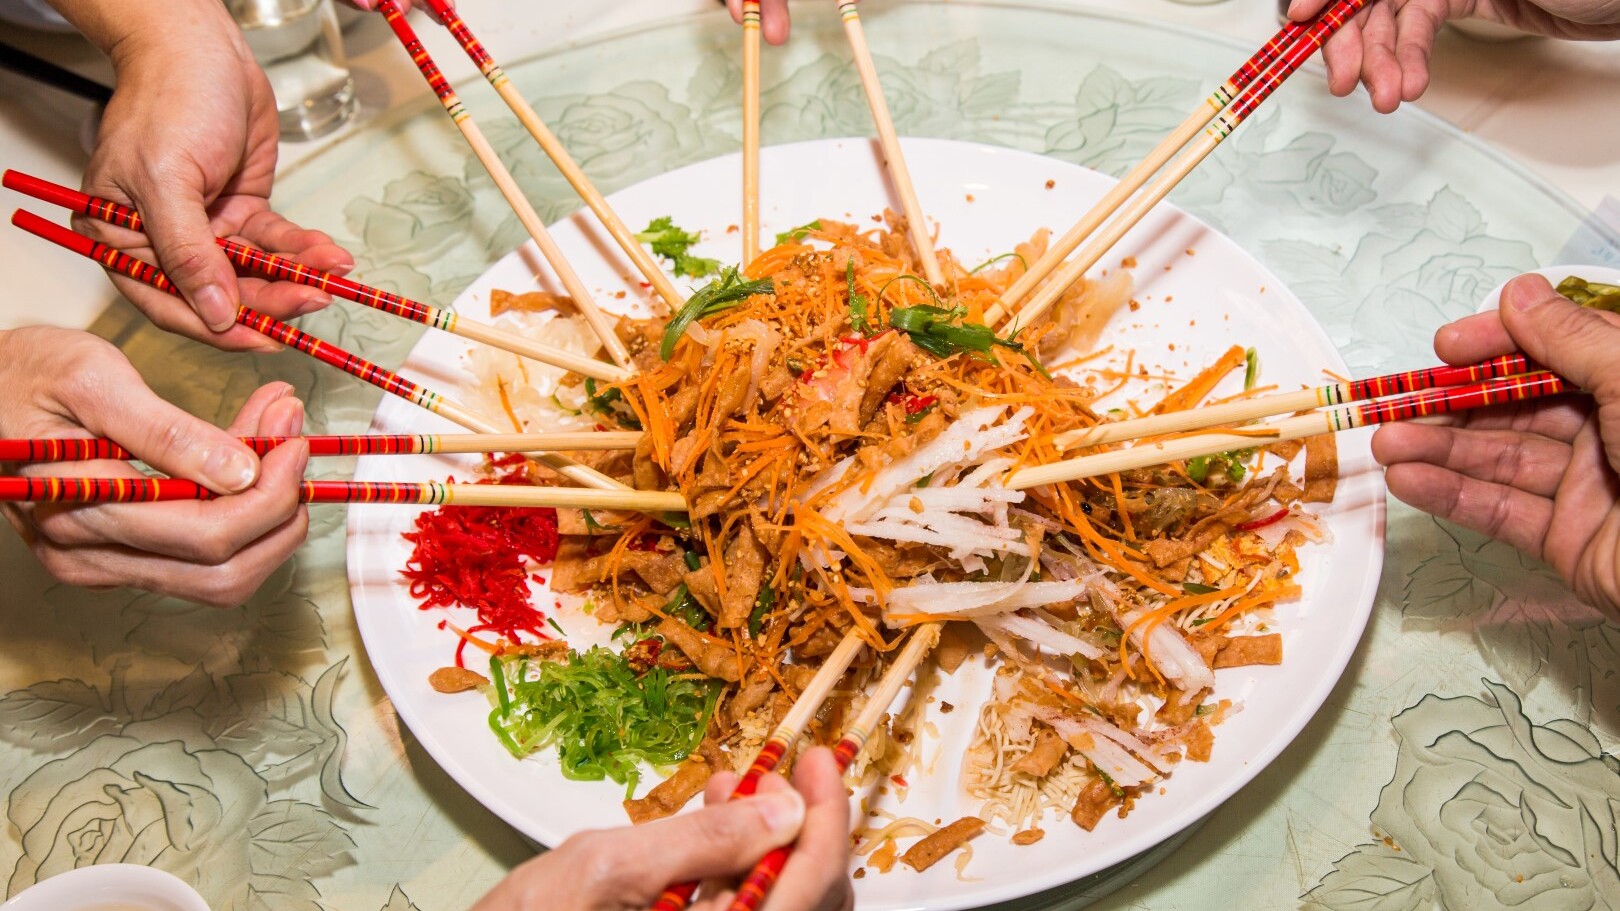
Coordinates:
<point>279,268</point>
<point>1541,476</point>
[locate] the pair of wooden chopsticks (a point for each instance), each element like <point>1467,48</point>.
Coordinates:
<point>280,268</point>
<point>505,182</point>
<point>922,239</point>
<point>1227,107</point>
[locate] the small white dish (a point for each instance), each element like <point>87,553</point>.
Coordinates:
<point>1606,275</point>
<point>109,887</point>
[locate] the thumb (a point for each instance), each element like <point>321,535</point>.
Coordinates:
<point>126,411</point>
<point>722,840</point>
<point>1577,343</point>
<point>177,223</point>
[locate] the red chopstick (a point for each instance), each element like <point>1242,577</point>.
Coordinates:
<point>282,269</point>
<point>146,273</point>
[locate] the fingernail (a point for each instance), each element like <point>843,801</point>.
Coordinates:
<point>783,813</point>
<point>1293,8</point>
<point>1521,299</point>
<point>215,308</point>
<point>318,302</point>
<point>295,420</point>
<point>230,469</point>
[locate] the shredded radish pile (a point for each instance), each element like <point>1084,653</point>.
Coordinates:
<point>478,557</point>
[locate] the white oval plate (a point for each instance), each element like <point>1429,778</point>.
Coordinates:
<point>1199,292</point>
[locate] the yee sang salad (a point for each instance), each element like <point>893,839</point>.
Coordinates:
<point>843,432</point>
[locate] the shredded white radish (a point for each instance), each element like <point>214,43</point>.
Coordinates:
<point>1040,633</point>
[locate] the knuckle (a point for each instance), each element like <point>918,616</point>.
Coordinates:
<point>223,587</point>
<point>214,549</point>
<point>66,569</point>
<point>727,826</point>
<point>595,864</point>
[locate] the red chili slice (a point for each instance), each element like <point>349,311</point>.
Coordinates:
<point>1272,519</point>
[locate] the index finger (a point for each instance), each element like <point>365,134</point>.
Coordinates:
<point>1473,339</point>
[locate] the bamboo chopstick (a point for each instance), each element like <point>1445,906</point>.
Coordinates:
<point>1290,402</point>
<point>92,449</point>
<point>1139,175</point>
<point>750,128</point>
<point>557,152</point>
<point>679,895</point>
<point>754,889</point>
<point>283,269</point>
<point>504,182</point>
<point>388,381</point>
<point>894,157</point>
<point>1332,420</point>
<point>426,493</point>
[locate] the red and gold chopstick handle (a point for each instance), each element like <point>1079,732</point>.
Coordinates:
<point>1254,66</point>
<point>426,493</point>
<point>451,20</point>
<point>679,896</point>
<point>1460,398</point>
<point>251,258</point>
<point>85,450</point>
<point>1429,378</point>
<point>100,490</point>
<point>1306,45</point>
<point>752,892</point>
<point>72,200</point>
<point>280,268</point>
<point>153,490</point>
<point>148,274</point>
<point>430,71</point>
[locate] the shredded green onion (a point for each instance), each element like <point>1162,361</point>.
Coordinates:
<point>996,259</point>
<point>723,293</point>
<point>603,719</point>
<point>797,234</point>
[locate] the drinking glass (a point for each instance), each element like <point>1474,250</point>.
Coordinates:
<point>300,47</point>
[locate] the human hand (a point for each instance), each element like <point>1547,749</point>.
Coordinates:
<point>72,384</point>
<point>189,139</point>
<point>1543,476</point>
<point>773,18</point>
<point>615,869</point>
<point>1387,45</point>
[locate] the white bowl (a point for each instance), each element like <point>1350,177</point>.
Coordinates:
<point>1606,275</point>
<point>109,887</point>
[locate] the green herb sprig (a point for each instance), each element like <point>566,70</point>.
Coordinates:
<point>857,302</point>
<point>672,243</point>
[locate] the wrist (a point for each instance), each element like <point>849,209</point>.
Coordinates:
<point>135,34</point>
